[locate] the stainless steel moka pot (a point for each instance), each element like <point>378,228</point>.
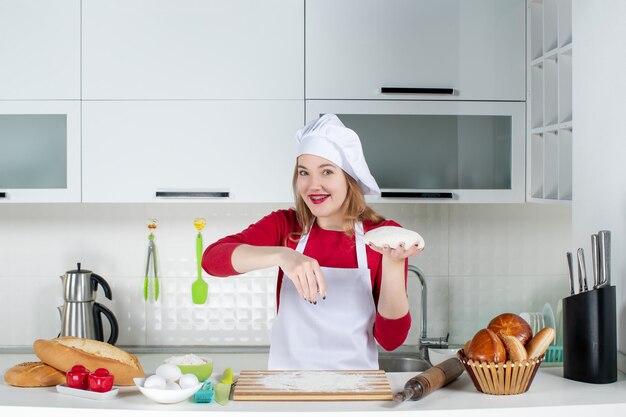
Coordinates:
<point>81,316</point>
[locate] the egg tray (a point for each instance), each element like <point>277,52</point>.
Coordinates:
<point>506,378</point>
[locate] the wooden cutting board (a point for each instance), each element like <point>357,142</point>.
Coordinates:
<point>312,386</point>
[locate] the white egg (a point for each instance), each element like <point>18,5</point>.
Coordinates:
<point>154,381</point>
<point>168,371</point>
<point>172,386</point>
<point>188,381</point>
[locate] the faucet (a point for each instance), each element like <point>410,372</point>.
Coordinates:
<point>424,341</point>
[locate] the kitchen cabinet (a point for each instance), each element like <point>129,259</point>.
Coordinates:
<point>193,49</point>
<point>550,124</point>
<point>438,151</point>
<point>40,151</point>
<point>39,49</point>
<point>235,150</point>
<point>474,48</point>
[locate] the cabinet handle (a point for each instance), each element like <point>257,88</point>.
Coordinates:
<point>192,194</point>
<point>411,194</point>
<point>407,90</point>
<point>3,194</point>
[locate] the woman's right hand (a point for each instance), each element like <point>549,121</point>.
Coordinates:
<point>305,273</point>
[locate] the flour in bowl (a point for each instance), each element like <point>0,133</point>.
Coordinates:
<point>318,381</point>
<point>189,359</point>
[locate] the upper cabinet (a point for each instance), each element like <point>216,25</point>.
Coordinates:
<point>464,50</point>
<point>212,150</point>
<point>550,124</point>
<point>40,151</point>
<point>39,50</point>
<point>438,151</point>
<point>193,49</point>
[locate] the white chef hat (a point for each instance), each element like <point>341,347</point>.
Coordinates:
<point>328,138</point>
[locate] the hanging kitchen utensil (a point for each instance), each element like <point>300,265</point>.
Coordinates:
<point>199,288</point>
<point>154,288</point>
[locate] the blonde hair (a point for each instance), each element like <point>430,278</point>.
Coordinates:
<point>354,208</point>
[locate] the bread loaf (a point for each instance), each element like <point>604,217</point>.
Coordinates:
<point>65,352</point>
<point>34,374</point>
<point>540,342</point>
<point>515,351</point>
<point>486,346</point>
<point>509,324</point>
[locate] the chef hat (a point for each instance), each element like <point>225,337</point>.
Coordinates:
<point>328,138</point>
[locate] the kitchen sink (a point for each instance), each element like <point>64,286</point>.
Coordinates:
<point>403,364</point>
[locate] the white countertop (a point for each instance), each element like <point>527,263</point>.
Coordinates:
<point>550,394</point>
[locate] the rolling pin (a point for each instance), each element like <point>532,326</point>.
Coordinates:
<point>434,378</point>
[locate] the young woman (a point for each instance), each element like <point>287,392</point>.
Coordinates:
<point>336,294</point>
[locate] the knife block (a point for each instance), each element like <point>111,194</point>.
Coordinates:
<point>590,336</point>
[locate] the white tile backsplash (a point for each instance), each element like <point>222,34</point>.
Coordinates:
<point>479,260</point>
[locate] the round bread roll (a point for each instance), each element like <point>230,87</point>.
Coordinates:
<point>486,346</point>
<point>540,342</point>
<point>466,347</point>
<point>393,236</point>
<point>34,374</point>
<point>509,324</point>
<point>515,351</point>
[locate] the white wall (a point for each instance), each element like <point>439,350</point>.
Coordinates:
<point>599,160</point>
<point>480,260</point>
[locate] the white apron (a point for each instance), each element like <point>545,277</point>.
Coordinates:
<point>334,334</point>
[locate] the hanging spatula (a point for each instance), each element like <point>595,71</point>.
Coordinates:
<point>199,288</point>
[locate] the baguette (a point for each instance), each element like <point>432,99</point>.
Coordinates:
<point>64,352</point>
<point>34,374</point>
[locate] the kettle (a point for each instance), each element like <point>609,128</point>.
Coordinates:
<point>81,316</point>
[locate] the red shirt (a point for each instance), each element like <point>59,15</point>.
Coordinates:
<point>329,247</point>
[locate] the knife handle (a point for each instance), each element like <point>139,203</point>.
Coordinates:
<point>570,270</point>
<point>582,271</point>
<point>595,260</point>
<point>604,242</point>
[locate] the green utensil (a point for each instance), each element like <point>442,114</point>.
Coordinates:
<point>199,288</point>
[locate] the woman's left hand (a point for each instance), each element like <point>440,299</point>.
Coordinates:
<point>400,253</point>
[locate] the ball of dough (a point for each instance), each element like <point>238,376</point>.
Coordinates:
<point>393,236</point>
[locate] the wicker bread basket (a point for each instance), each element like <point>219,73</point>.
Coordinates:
<point>501,378</point>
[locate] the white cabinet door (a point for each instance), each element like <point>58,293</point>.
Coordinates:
<point>40,151</point>
<point>356,47</point>
<point>134,149</point>
<point>193,49</point>
<point>39,49</point>
<point>438,151</point>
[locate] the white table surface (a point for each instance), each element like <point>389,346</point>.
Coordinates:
<point>550,395</point>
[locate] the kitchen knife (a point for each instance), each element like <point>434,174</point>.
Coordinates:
<point>604,243</point>
<point>570,269</point>
<point>582,271</point>
<point>595,260</point>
